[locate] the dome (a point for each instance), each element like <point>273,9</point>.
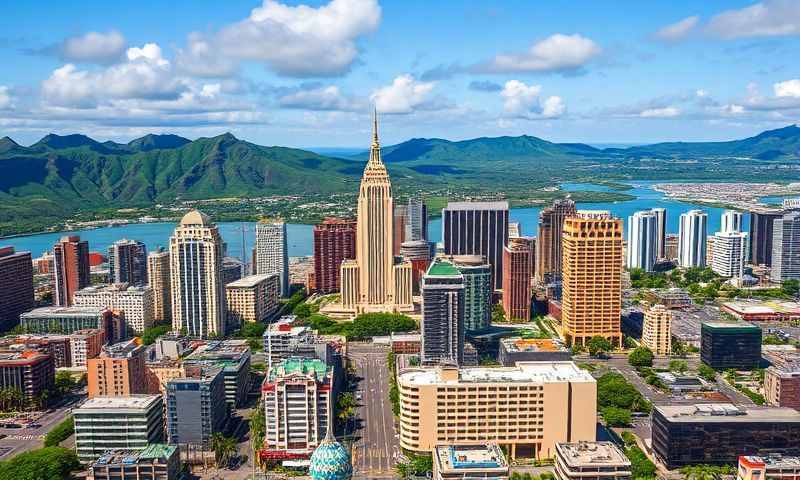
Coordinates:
<point>330,461</point>
<point>195,217</point>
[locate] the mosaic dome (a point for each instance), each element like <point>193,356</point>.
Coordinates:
<point>330,461</point>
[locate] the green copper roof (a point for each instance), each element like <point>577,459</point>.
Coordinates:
<point>300,365</point>
<point>157,450</point>
<point>442,268</point>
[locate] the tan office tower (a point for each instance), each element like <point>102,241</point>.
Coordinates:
<point>548,243</point>
<point>159,278</point>
<point>656,330</point>
<point>373,282</point>
<point>198,293</point>
<point>591,277</point>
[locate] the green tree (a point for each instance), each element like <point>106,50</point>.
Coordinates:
<point>60,432</point>
<point>224,448</point>
<point>641,357</point>
<point>614,391</point>
<point>678,347</point>
<point>707,373</point>
<point>598,346</point>
<point>679,366</point>
<point>150,335</point>
<point>42,464</point>
<point>706,472</point>
<point>616,417</point>
<point>641,466</point>
<point>790,287</point>
<point>498,313</point>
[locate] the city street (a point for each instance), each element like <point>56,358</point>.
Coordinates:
<point>376,446</point>
<point>18,440</point>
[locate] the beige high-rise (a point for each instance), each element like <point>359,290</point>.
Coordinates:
<point>591,277</point>
<point>372,282</point>
<point>159,278</point>
<point>656,328</point>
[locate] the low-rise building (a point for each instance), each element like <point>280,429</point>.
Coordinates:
<point>763,310</point>
<point>159,373</point>
<point>233,356</point>
<point>782,386</point>
<point>253,298</point>
<point>28,371</point>
<point>770,467</point>
<point>281,337</point>
<point>672,298</point>
<point>57,346</point>
<point>136,302</point>
<point>463,462</point>
<point>730,345</point>
<point>591,460</point>
<point>172,346</point>
<point>196,407</point>
<point>156,462</point>
<point>519,349</point>
<point>401,343</point>
<point>67,320</point>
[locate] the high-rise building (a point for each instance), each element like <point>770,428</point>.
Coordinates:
<point>786,247</point>
<point>548,243</point>
<point>656,330</point>
<point>731,221</point>
<point>517,272</point>
<point>477,291</point>
<point>85,344</point>
<point>442,322</point>
<point>198,294</point>
<point>692,239</point>
<point>70,269</point>
<point>514,230</point>
<point>477,228</point>
<point>591,277</point>
<point>661,233</point>
<point>252,299</point>
<point>158,275</point>
<point>373,282</point>
<point>642,247</point>
<point>232,269</point>
<point>272,251</point>
<point>418,253</point>
<point>400,219</point>
<point>16,286</point>
<point>334,242</point>
<point>196,407</point>
<point>136,303</point>
<point>729,250</point>
<point>761,228</point>
<point>119,371</point>
<point>30,372</point>
<point>417,226</point>
<point>127,262</point>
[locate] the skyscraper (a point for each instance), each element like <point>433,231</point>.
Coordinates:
<point>786,247</point>
<point>477,291</point>
<point>730,248</point>
<point>591,277</point>
<point>731,221</point>
<point>272,251</point>
<point>548,243</point>
<point>442,314</point>
<point>334,242</point>
<point>477,228</point>
<point>400,219</point>
<point>127,262</point>
<point>517,278</point>
<point>692,239</point>
<point>16,286</point>
<point>642,249</point>
<point>373,282</point>
<point>661,233</point>
<point>198,294</point>
<point>417,226</point>
<point>158,275</point>
<point>761,221</point>
<point>70,269</point>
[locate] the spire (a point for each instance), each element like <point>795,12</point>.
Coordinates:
<point>375,162</point>
<point>375,142</point>
<point>329,437</point>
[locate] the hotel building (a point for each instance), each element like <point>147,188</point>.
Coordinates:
<point>159,278</point>
<point>517,264</point>
<point>692,239</point>
<point>477,291</point>
<point>272,251</point>
<point>16,286</point>
<point>135,302</point>
<point>548,243</point>
<point>70,269</point>
<point>127,262</point>
<point>477,228</point>
<point>252,299</point>
<point>442,322</point>
<point>334,242</point>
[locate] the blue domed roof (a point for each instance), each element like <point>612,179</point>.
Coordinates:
<point>330,461</point>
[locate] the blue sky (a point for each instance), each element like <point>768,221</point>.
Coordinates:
<point>306,74</point>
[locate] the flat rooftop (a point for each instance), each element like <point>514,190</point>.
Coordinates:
<point>732,326</point>
<point>114,287</point>
<point>769,307</point>
<point>500,205</point>
<point>134,402</point>
<point>249,281</point>
<point>131,457</point>
<point>523,372</point>
<point>442,268</point>
<point>470,459</point>
<point>521,344</point>
<point>592,454</point>
<point>773,461</point>
<point>727,412</point>
<point>64,311</point>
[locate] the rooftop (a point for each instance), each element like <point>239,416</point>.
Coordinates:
<point>501,205</point>
<point>113,287</point>
<point>592,454</point>
<point>442,268</point>
<point>64,311</point>
<point>727,412</point>
<point>151,452</point>
<point>195,217</point>
<point>764,307</point>
<point>221,350</point>
<point>133,402</point>
<point>300,365</point>
<point>523,372</point>
<point>772,461</point>
<point>519,344</point>
<point>249,281</point>
<point>470,458</point>
<point>731,326</point>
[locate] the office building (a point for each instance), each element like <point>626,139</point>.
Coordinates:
<point>68,320</point>
<point>272,251</point>
<point>671,247</point>
<point>591,299</point>
<point>282,337</point>
<point>717,434</point>
<point>400,219</point>
<point>692,239</point>
<point>70,269</point>
<point>548,242</point>
<point>782,385</point>
<point>729,252</point>
<point>442,322</point>
<point>373,282</point>
<point>517,273</point>
<point>477,228</point>
<point>296,394</point>
<point>30,372</point>
<point>726,345</point>
<point>528,408</point>
<point>417,224</point>
<point>129,423</point>
<point>232,269</point>
<point>462,462</point>
<point>16,286</point>
<point>518,349</point>
<point>84,345</point>
<point>418,254</point>
<point>198,294</point>
<point>159,373</point>
<point>478,289</point>
<point>731,221</point>
<point>57,346</point>
<point>135,302</point>
<point>233,356</point>
<point>768,467</point>
<point>158,274</point>
<point>786,247</point>
<point>252,299</point>
<point>642,246</point>
<point>196,407</point>
<point>656,330</point>
<point>761,229</point>
<point>661,233</point>
<point>119,371</point>
<point>156,462</point>
<point>334,242</point>
<point>127,262</point>
<point>672,298</point>
<point>591,460</point>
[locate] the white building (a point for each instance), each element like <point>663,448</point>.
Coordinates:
<point>642,249</point>
<point>692,239</point>
<point>730,249</point>
<point>661,232</point>
<point>281,338</point>
<point>136,302</point>
<point>272,251</point>
<point>786,247</point>
<point>731,221</point>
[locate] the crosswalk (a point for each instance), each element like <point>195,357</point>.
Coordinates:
<point>25,437</point>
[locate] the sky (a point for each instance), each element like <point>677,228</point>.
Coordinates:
<point>309,74</point>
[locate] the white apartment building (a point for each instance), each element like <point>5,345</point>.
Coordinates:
<point>692,239</point>
<point>730,250</point>
<point>642,248</point>
<point>272,251</point>
<point>135,302</point>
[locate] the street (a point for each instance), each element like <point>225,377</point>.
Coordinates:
<point>18,440</point>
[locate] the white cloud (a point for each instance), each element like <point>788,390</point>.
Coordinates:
<point>93,47</point>
<point>5,97</point>
<point>404,95</point>
<point>789,88</point>
<point>523,101</point>
<point>700,93</point>
<point>300,41</point>
<point>665,112</point>
<point>765,19</point>
<point>556,53</point>
<point>325,98</point>
<point>678,30</point>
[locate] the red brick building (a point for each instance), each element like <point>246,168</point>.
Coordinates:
<point>334,241</point>
<point>782,386</point>
<point>70,269</point>
<point>517,266</point>
<point>16,286</point>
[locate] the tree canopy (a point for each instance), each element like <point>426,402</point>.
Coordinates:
<point>45,463</point>
<point>597,346</point>
<point>641,357</point>
<point>614,391</point>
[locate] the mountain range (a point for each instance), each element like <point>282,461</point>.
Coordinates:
<point>59,175</point>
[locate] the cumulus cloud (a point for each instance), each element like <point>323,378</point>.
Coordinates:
<point>524,101</point>
<point>556,53</point>
<point>404,95</point>
<point>323,98</point>
<point>789,88</point>
<point>298,41</point>
<point>94,47</point>
<point>665,112</point>
<point>764,19</point>
<point>678,30</point>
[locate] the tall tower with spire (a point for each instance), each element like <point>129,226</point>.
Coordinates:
<point>373,282</point>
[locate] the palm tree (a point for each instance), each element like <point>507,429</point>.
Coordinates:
<point>224,448</point>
